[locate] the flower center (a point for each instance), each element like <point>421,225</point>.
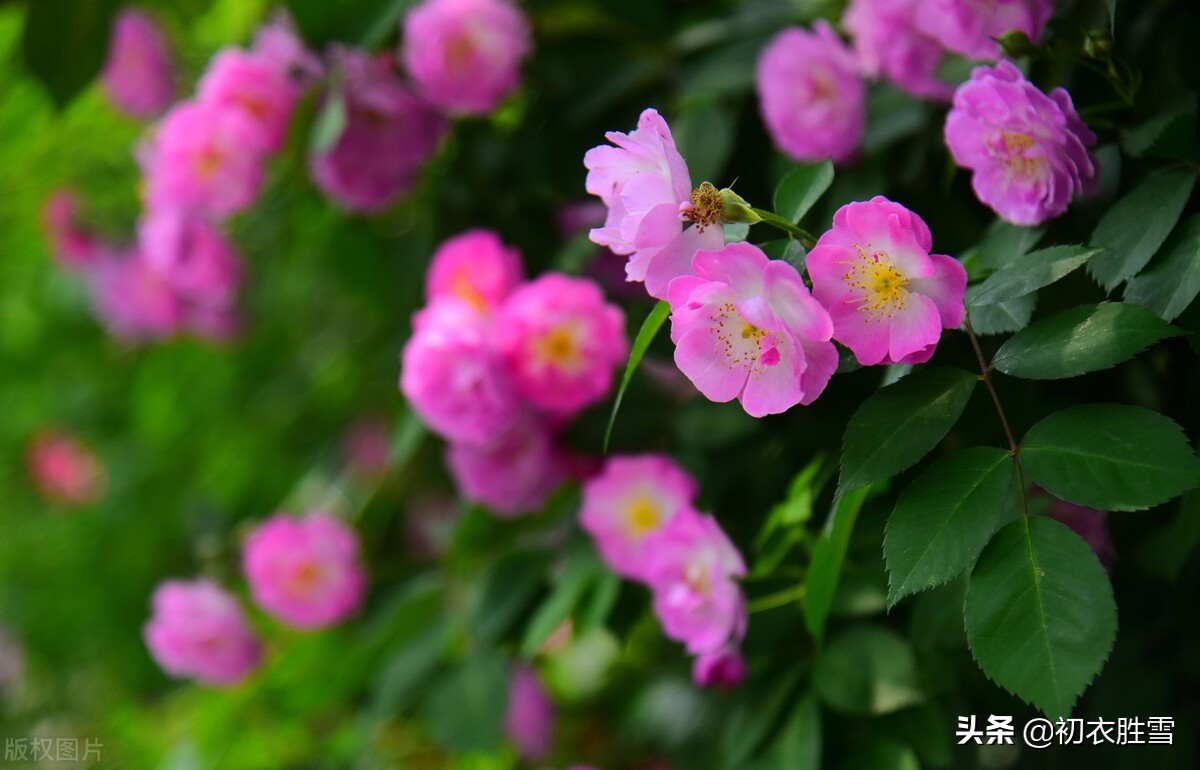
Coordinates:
<point>696,577</point>
<point>559,348</point>
<point>306,578</point>
<point>254,105</point>
<point>705,208</point>
<point>208,162</point>
<point>882,288</point>
<point>642,517</point>
<point>459,52</point>
<point>462,287</point>
<point>740,342</point>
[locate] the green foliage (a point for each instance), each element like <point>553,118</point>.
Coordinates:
<point>901,423</point>
<point>1110,456</point>
<point>1170,287</point>
<point>466,709</point>
<point>65,43</point>
<point>1137,225</point>
<point>797,745</point>
<point>829,553</point>
<point>801,188</point>
<point>867,670</point>
<point>641,343</point>
<point>1040,614</point>
<point>946,516</point>
<point>1081,340</point>
<point>1029,272</point>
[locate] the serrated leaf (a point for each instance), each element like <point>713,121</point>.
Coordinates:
<point>64,43</point>
<point>899,424</point>
<point>1004,242</point>
<point>1110,456</point>
<point>1170,287</point>
<point>1003,317</point>
<point>641,344</point>
<point>867,670</point>
<point>1171,134</point>
<point>829,553</point>
<point>1040,614</point>
<point>1136,226</point>
<point>802,187</point>
<point>465,710</point>
<point>1030,272</point>
<point>1080,340</point>
<point>945,518</point>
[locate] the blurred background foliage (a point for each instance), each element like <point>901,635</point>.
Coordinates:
<point>201,440</point>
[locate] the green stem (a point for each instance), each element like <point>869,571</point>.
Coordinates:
<point>777,599</point>
<point>788,227</point>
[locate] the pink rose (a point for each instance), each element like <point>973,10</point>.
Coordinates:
<point>198,631</point>
<point>139,76</point>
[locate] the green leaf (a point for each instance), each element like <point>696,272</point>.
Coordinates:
<point>1003,317</point>
<point>506,590</point>
<point>867,670</point>
<point>880,754</point>
<point>829,553</point>
<point>754,712</point>
<point>1134,228</point>
<point>1166,550</point>
<point>64,43</point>
<point>704,131</point>
<point>1080,340</point>
<point>1171,134</point>
<point>568,590</point>
<point>641,344</point>
<point>410,668</point>
<point>1004,242</point>
<point>797,745</point>
<point>945,518</point>
<point>1029,272</point>
<point>1169,288</point>
<point>360,22</point>
<point>466,709</point>
<point>1110,456</point>
<point>1112,16</point>
<point>899,424</point>
<point>1040,614</point>
<point>802,187</point>
<point>330,122</point>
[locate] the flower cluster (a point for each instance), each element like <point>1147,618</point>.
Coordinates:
<point>747,327</point>
<point>639,511</point>
<point>810,84</point>
<point>496,365</point>
<point>1028,151</point>
<point>305,572</point>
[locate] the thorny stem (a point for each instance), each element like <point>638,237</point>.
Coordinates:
<point>986,371</point>
<point>792,230</point>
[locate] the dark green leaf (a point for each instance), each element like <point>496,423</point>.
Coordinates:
<point>507,589</point>
<point>829,553</point>
<point>704,133</point>
<point>359,22</point>
<point>1171,134</point>
<point>1003,242</point>
<point>797,745</point>
<point>1040,614</point>
<point>466,709</point>
<point>1003,317</point>
<point>945,518</point>
<point>64,43</point>
<point>1110,456</point>
<point>880,754</point>
<point>801,188</point>
<point>1112,16</point>
<point>1030,272</point>
<point>408,671</point>
<point>1134,228</point>
<point>1169,287</point>
<point>641,344</point>
<point>756,710</point>
<point>1166,550</point>
<point>867,670</point>
<point>568,589</point>
<point>899,424</point>
<point>1080,340</point>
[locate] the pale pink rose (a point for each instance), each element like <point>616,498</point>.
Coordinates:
<point>1029,152</point>
<point>970,27</point>
<point>690,567</point>
<point>388,136</point>
<point>888,296</point>
<point>474,267</point>
<point>133,300</point>
<point>745,327</point>
<point>73,245</point>
<point>306,572</point>
<point>628,502</point>
<point>204,159</point>
<point>512,476</point>
<point>139,76</point>
<point>64,470</point>
<point>561,342</point>
<point>644,182</point>
<point>889,45</point>
<point>454,379</point>
<point>810,94</point>
<point>199,631</point>
<point>194,257</point>
<point>256,87</point>
<point>530,717</point>
<point>724,668</point>
<point>465,55</point>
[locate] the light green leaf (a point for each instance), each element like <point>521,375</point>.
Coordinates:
<point>945,518</point>
<point>1003,317</point>
<point>1136,226</point>
<point>829,553</point>
<point>1080,340</point>
<point>1040,614</point>
<point>330,122</point>
<point>1168,288</point>
<point>867,670</point>
<point>641,344</point>
<point>1110,456</point>
<point>1030,272</point>
<point>802,187</point>
<point>899,424</point>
